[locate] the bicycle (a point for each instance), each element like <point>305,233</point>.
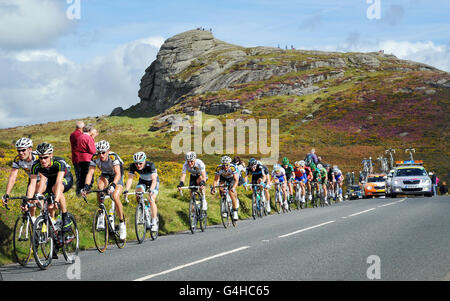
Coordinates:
<point>196,214</point>
<point>23,229</point>
<point>280,204</point>
<point>48,236</point>
<point>298,197</point>
<point>102,219</point>
<point>226,206</point>
<point>258,201</point>
<point>142,217</point>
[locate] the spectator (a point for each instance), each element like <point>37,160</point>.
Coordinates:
<point>79,125</point>
<point>86,149</point>
<point>241,168</point>
<point>443,189</point>
<point>434,182</point>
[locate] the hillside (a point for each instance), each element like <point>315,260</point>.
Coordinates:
<point>348,106</point>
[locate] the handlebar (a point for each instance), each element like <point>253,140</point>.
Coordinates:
<point>24,199</point>
<point>187,187</point>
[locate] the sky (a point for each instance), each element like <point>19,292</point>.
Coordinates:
<point>71,59</point>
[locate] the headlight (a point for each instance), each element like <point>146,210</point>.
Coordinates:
<point>396,182</point>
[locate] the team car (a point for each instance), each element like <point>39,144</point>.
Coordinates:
<point>409,178</point>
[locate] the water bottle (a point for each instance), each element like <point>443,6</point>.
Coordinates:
<point>111,217</point>
<point>58,223</point>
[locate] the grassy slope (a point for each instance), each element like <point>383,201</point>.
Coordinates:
<point>356,116</point>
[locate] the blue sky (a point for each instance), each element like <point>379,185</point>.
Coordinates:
<point>98,60</point>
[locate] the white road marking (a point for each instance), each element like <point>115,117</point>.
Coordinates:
<point>358,213</point>
<point>192,263</point>
<point>302,230</point>
<point>396,202</point>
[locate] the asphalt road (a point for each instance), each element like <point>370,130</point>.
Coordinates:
<point>385,239</point>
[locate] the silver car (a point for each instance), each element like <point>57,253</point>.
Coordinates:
<point>409,180</point>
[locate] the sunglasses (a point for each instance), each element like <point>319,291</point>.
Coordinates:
<point>139,163</point>
<point>21,150</point>
<point>44,158</point>
<point>102,153</point>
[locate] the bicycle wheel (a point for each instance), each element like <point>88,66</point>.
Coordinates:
<point>298,197</point>
<point>71,243</point>
<point>254,205</point>
<point>193,213</point>
<point>23,229</point>
<point>100,229</point>
<point>224,212</point>
<point>261,206</point>
<point>119,243</point>
<point>277,202</point>
<point>230,210</point>
<point>264,204</point>
<point>140,222</point>
<point>202,219</point>
<point>42,242</point>
<point>154,234</point>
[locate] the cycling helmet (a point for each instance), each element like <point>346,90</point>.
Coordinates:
<point>24,143</point>
<point>258,162</point>
<point>252,162</point>
<point>44,149</point>
<point>319,166</point>
<point>191,156</point>
<point>285,161</point>
<point>277,168</point>
<point>302,162</point>
<point>297,164</point>
<point>102,146</point>
<point>226,160</point>
<point>139,157</point>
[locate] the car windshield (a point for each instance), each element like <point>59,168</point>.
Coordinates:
<point>376,179</point>
<point>356,188</point>
<point>407,172</point>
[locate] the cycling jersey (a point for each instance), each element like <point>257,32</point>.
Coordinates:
<point>258,173</point>
<point>280,176</point>
<point>227,173</point>
<point>288,169</point>
<point>58,164</point>
<point>25,165</point>
<point>300,176</point>
<point>107,167</point>
<point>308,172</point>
<point>145,174</point>
<point>323,175</point>
<point>196,170</point>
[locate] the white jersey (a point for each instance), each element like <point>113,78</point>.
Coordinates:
<point>280,175</point>
<point>196,170</point>
<point>107,167</point>
<point>25,165</point>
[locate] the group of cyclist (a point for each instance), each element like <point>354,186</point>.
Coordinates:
<point>49,174</point>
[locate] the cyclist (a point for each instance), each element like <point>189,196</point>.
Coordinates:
<point>198,177</point>
<point>25,160</point>
<point>338,179</point>
<point>148,182</point>
<point>309,176</point>
<point>289,169</point>
<point>227,173</point>
<point>260,175</point>
<point>323,175</point>
<point>279,176</point>
<point>300,176</point>
<point>111,167</point>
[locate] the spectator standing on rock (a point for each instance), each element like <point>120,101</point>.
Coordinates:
<point>86,149</point>
<point>79,125</point>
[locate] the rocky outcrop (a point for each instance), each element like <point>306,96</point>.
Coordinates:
<point>194,63</point>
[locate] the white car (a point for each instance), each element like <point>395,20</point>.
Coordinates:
<point>409,180</point>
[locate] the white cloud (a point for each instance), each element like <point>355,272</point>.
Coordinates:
<point>31,23</point>
<point>40,86</point>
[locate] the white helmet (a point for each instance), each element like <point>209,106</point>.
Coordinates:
<point>139,157</point>
<point>102,146</point>
<point>191,156</point>
<point>319,166</point>
<point>226,160</point>
<point>24,143</point>
<point>44,149</point>
<point>277,168</point>
<point>302,162</point>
